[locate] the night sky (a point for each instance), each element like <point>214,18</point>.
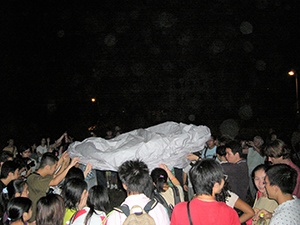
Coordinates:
<point>145,62</point>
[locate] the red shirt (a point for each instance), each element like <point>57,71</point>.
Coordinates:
<point>204,213</point>
<point>297,188</point>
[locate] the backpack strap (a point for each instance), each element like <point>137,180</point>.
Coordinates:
<point>188,210</point>
<point>150,205</point>
<point>176,195</point>
<point>123,209</point>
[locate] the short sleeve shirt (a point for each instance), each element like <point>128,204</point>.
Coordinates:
<point>287,213</point>
<point>38,186</point>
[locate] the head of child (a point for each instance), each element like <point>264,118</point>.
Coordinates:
<point>18,209</point>
<point>50,210</point>
<point>48,163</point>
<point>74,191</point>
<point>159,177</point>
<point>97,200</point>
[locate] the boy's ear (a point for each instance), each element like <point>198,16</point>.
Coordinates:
<point>125,187</point>
<point>47,167</point>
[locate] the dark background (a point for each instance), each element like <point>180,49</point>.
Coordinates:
<point>146,62</point>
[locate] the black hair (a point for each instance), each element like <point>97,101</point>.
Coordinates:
<point>283,176</point>
<point>221,150</point>
<point>74,172</point>
<point>48,159</point>
<point>159,177</point>
<point>16,207</point>
<point>5,155</point>
<point>23,148</point>
<point>204,175</point>
<point>72,190</point>
<point>50,210</point>
<point>8,167</point>
<point>224,194</point>
<point>259,167</point>
<point>235,147</point>
<point>135,175</point>
<point>97,200</point>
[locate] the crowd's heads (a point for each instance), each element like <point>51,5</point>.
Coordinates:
<point>19,209</point>
<point>6,156</point>
<point>221,150</point>
<point>10,142</point>
<point>134,175</point>
<point>258,141</point>
<point>10,169</point>
<point>234,151</point>
<point>50,210</point>
<point>98,199</point>
<point>72,191</point>
<point>25,151</point>
<point>159,177</point>
<point>283,176</point>
<point>258,177</point>
<point>277,149</point>
<point>211,142</point>
<point>48,159</point>
<point>74,172</point>
<point>204,175</point>
<point>17,188</point>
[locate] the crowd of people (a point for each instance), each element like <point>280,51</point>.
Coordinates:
<point>230,181</point>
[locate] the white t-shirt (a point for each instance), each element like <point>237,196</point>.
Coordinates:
<point>230,201</point>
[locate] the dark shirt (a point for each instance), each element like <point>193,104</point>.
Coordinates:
<point>238,178</point>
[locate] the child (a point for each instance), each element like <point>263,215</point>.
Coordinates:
<point>18,211</point>
<point>74,193</point>
<point>50,210</point>
<point>97,207</point>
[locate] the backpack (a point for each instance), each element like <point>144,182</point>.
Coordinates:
<point>138,218</point>
<point>162,201</point>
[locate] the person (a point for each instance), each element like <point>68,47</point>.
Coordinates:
<point>19,211</point>
<point>41,149</point>
<point>278,152</point>
<point>50,210</point>
<point>208,179</point>
<point>280,182</point>
<point>134,175</point>
<point>165,194</point>
<point>221,154</point>
<point>25,155</point>
<point>209,151</point>
<point>15,188</point>
<point>74,193</point>
<point>231,199</point>
<point>236,169</point>
<point>96,209</point>
<point>10,147</point>
<point>262,201</point>
<point>254,158</point>
<point>5,156</point>
<point>40,181</point>
<point>9,172</point>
